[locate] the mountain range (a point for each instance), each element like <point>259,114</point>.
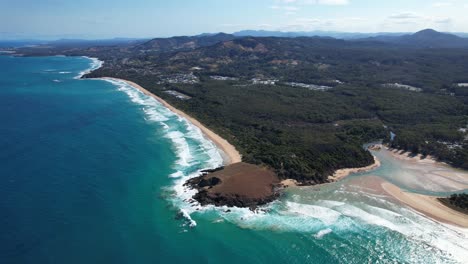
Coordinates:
<point>319,33</point>
<point>427,38</point>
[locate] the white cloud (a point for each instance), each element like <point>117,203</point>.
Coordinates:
<point>287,8</point>
<point>315,2</point>
<point>408,21</point>
<point>332,2</point>
<point>441,4</point>
<point>311,24</point>
<point>443,20</point>
<point>404,16</point>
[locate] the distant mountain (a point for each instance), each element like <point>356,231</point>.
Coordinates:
<point>427,38</point>
<point>98,42</point>
<point>183,42</point>
<point>70,43</point>
<point>460,34</point>
<point>318,33</point>
<point>19,43</point>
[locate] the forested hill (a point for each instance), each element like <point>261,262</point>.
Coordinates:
<point>305,106</point>
<point>181,43</point>
<point>321,61</point>
<point>427,38</point>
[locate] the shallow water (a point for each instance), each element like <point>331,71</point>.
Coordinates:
<point>92,171</point>
<point>419,175</point>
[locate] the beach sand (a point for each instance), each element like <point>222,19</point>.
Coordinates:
<point>429,174</point>
<point>229,152</point>
<point>408,156</point>
<point>342,173</point>
<point>428,205</point>
<point>338,175</point>
<point>289,183</point>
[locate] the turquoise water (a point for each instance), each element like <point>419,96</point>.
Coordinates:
<point>419,175</point>
<point>92,171</point>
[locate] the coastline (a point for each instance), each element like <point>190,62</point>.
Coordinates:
<point>427,205</point>
<point>338,175</point>
<point>343,173</point>
<point>229,153</point>
<point>406,155</point>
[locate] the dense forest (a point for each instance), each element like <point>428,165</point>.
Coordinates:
<point>372,89</point>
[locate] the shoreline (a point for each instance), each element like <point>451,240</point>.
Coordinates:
<point>343,173</point>
<point>228,152</point>
<point>408,156</point>
<point>338,175</point>
<point>427,205</point>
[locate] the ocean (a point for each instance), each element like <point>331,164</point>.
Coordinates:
<point>92,171</point>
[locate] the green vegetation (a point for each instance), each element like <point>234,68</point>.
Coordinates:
<point>458,202</point>
<point>305,134</point>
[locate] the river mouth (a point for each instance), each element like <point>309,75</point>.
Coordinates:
<point>360,205</point>
<point>355,213</point>
<point>419,175</point>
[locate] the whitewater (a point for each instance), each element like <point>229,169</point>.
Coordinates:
<point>336,217</point>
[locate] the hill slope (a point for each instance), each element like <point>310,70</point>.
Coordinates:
<point>427,38</point>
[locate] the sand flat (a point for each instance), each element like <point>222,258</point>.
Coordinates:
<point>428,205</point>
<point>343,173</point>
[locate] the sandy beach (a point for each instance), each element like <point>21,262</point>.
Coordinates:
<point>409,157</point>
<point>428,205</point>
<point>289,183</point>
<point>229,152</point>
<point>342,173</point>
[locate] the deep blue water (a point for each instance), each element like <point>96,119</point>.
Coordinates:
<point>92,171</point>
<point>75,156</point>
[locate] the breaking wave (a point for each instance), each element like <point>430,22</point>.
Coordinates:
<point>94,65</point>
<point>358,219</point>
<point>194,152</point>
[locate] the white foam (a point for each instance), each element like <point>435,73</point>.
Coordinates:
<point>194,151</point>
<point>330,203</point>
<point>154,115</point>
<point>326,215</point>
<point>187,216</point>
<point>176,174</point>
<point>322,233</point>
<point>424,239</point>
<point>183,149</point>
<point>315,216</point>
<point>64,72</point>
<point>94,65</point>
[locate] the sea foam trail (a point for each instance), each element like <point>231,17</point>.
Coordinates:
<point>323,232</point>
<point>324,215</point>
<point>94,65</point>
<point>193,150</point>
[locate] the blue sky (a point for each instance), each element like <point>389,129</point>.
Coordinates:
<point>158,18</point>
